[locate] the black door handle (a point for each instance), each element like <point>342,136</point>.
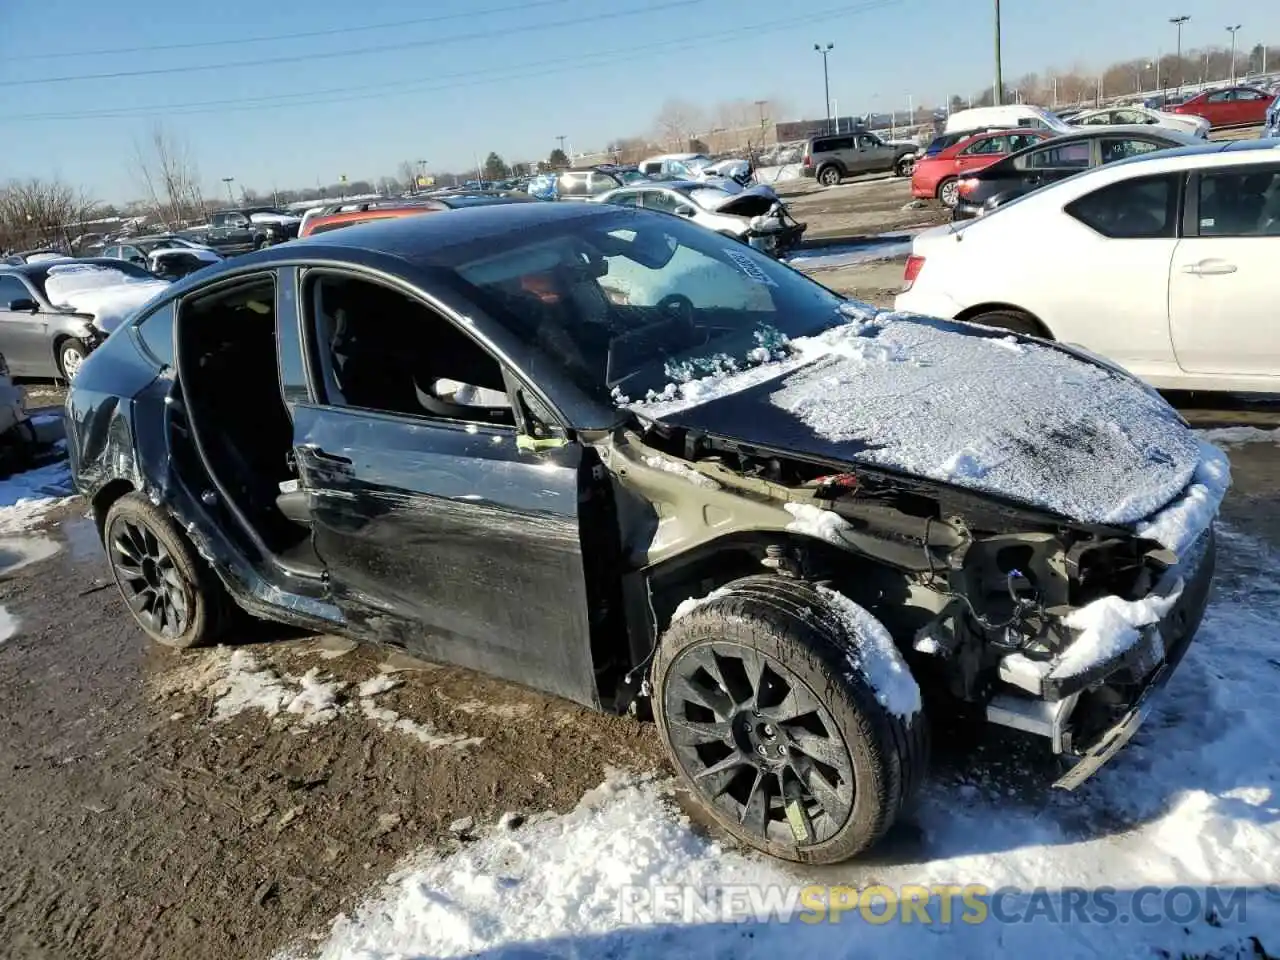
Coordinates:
<point>320,453</point>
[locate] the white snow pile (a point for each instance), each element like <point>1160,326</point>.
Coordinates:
<point>109,295</point>
<point>1180,524</point>
<point>945,401</point>
<point>849,254</point>
<point>682,470</point>
<point>26,497</point>
<point>237,682</point>
<point>819,523</point>
<point>1190,803</point>
<point>1109,627</point>
<point>874,655</point>
<point>1229,436</point>
<point>8,624</point>
<point>690,604</point>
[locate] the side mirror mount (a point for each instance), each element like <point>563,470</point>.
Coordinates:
<point>23,305</point>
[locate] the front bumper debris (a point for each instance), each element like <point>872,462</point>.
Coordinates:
<point>1170,637</point>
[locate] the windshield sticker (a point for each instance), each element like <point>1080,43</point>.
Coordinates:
<point>750,268</point>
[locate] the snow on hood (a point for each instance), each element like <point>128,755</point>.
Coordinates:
<point>203,254</point>
<point>273,218</point>
<point>109,296</point>
<point>955,403</point>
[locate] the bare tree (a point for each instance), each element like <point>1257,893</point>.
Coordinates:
<point>677,121</point>
<point>36,213</point>
<point>169,175</point>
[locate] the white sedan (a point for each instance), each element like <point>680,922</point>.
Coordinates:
<point>1164,263</point>
<point>1142,116</point>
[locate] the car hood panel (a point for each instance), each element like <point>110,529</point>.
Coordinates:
<point>1009,416</point>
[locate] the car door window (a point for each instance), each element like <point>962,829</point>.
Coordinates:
<point>1144,207</point>
<point>1066,156</point>
<point>832,144</point>
<point>1020,141</point>
<point>1222,96</point>
<point>866,142</point>
<point>630,198</point>
<point>1120,148</point>
<point>985,146</point>
<point>1239,203</point>
<point>662,200</point>
<point>1098,119</point>
<point>1247,95</point>
<point>156,333</point>
<point>11,288</point>
<point>377,349</point>
<point>237,220</point>
<point>112,252</point>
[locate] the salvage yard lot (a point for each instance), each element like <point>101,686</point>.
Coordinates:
<point>232,802</point>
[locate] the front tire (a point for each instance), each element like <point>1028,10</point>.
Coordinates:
<point>778,739</point>
<point>829,176</point>
<point>904,167</point>
<point>949,193</point>
<point>71,353</point>
<point>174,596</point>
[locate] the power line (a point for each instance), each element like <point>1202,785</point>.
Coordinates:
<point>309,34</point>
<point>404,87</point>
<point>356,51</point>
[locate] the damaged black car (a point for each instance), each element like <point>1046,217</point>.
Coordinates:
<point>616,457</point>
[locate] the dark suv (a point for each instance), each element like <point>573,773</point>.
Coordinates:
<point>831,159</point>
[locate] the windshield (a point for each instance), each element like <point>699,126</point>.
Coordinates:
<point>634,303</point>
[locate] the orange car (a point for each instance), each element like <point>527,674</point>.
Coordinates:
<point>347,218</point>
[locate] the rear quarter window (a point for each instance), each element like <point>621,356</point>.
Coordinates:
<point>828,144</point>
<point>156,333</point>
<point>1141,208</point>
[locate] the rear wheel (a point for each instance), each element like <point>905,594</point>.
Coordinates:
<point>1013,320</point>
<point>71,354</point>
<point>782,743</point>
<point>173,594</point>
<point>829,175</point>
<point>904,166</point>
<point>949,192</point>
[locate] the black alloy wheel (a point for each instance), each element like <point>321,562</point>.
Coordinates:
<point>148,579</point>
<point>758,743</point>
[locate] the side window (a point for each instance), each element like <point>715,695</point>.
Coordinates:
<point>1239,204</point>
<point>867,142</point>
<point>112,252</point>
<point>156,333</point>
<point>990,145</point>
<point>661,200</point>
<point>1020,141</point>
<point>1248,95</point>
<point>601,183</point>
<point>11,289</point>
<point>1119,149</point>
<point>1145,207</point>
<point>380,350</point>
<point>219,220</point>
<point>1068,156</point>
<point>1097,120</point>
<point>629,199</point>
<point>829,144</point>
<point>237,220</point>
<point>1222,96</point>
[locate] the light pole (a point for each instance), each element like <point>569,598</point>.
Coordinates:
<point>1178,22</point>
<point>1232,31</point>
<point>826,79</point>
<point>997,92</point>
<point>562,138</point>
<point>228,181</point>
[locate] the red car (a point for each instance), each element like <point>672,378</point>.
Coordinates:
<point>1228,107</point>
<point>937,174</point>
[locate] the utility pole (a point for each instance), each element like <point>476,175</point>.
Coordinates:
<point>760,106</point>
<point>826,79</point>
<point>562,138</point>
<point>1178,22</point>
<point>1232,31</point>
<point>228,181</point>
<point>997,93</point>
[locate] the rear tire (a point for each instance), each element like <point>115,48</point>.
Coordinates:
<point>829,176</point>
<point>1013,320</point>
<point>783,744</point>
<point>949,192</point>
<point>173,594</point>
<point>904,166</point>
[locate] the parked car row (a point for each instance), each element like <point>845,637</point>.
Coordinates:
<point>1162,262</point>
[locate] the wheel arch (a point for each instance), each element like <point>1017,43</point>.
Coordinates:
<point>971,313</point>
<point>101,502</point>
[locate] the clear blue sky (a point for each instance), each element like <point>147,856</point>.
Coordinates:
<point>447,95</point>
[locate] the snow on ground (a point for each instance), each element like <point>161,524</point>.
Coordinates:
<point>26,497</point>
<point>781,174</point>
<point>1229,436</point>
<point>8,624</point>
<point>1190,803</point>
<point>236,681</point>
